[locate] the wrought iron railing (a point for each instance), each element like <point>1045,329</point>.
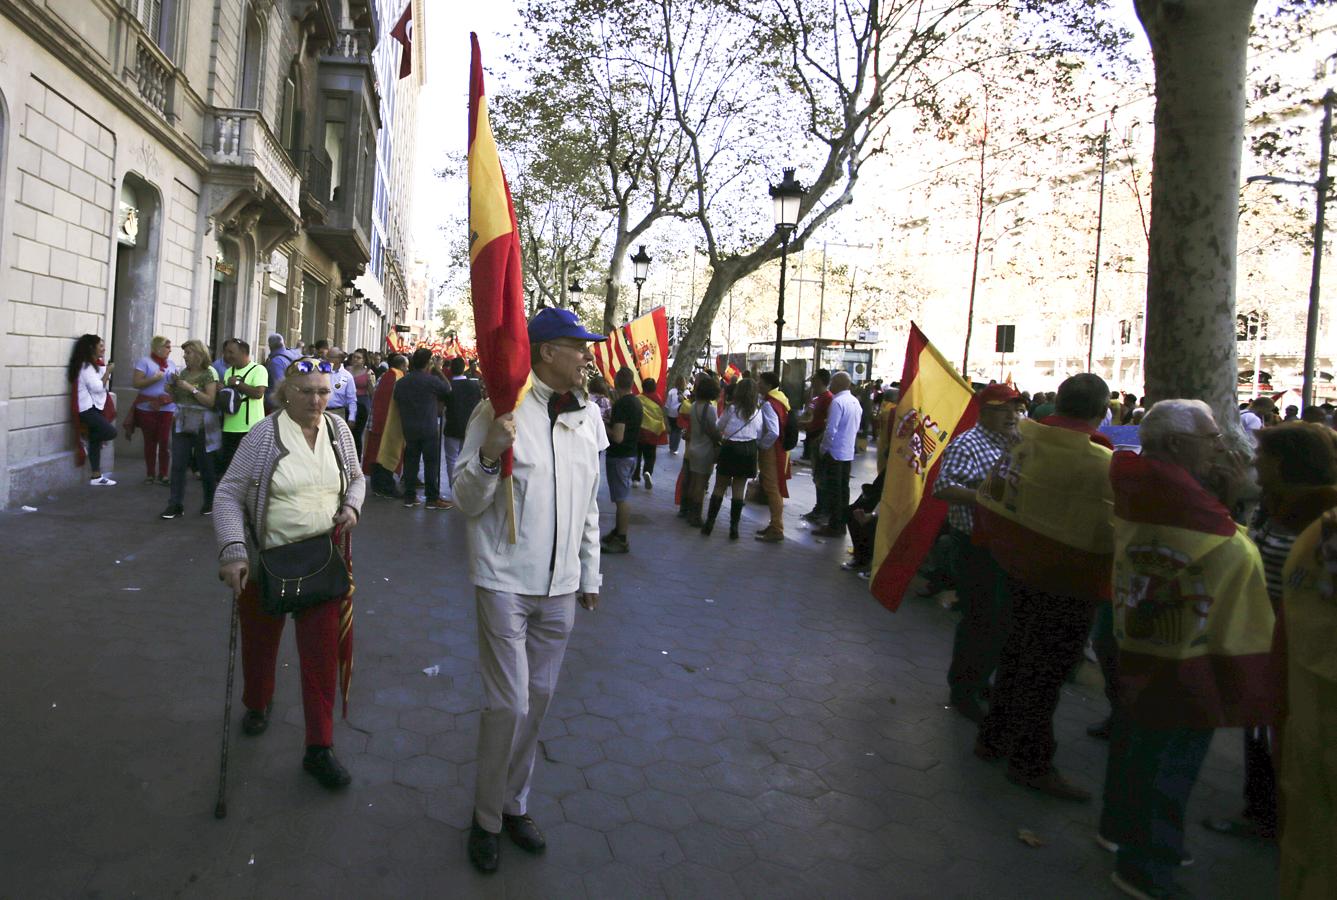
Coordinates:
<point>315,167</point>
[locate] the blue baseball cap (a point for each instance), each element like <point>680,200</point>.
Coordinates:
<point>550,323</point>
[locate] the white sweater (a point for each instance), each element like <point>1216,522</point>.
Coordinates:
<point>92,392</point>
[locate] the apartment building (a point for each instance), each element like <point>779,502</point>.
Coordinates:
<point>191,168</point>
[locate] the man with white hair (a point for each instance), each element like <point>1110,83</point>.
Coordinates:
<point>280,358</point>
<point>1194,625</point>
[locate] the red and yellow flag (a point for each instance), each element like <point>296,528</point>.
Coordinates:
<point>494,259</point>
<point>642,346</point>
<point>935,405</point>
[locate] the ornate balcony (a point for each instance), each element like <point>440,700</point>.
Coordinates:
<point>249,165</point>
<point>315,171</point>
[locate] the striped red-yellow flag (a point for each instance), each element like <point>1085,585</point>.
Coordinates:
<point>494,259</point>
<point>935,406</point>
<point>642,346</point>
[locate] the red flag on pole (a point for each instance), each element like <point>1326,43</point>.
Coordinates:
<point>403,32</point>
<point>494,256</point>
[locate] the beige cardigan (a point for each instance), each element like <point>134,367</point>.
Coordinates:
<point>243,494</point>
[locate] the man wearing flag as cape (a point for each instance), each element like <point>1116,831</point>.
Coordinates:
<point>527,479</point>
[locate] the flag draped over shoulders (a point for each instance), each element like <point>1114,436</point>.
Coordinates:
<point>780,404</point>
<point>494,262</point>
<point>935,406</point>
<point>1045,511</point>
<point>1191,610</point>
<point>381,404</point>
<point>654,424</point>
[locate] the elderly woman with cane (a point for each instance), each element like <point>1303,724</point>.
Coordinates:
<point>295,490</point>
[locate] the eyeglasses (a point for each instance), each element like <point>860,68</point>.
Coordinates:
<point>308,364</point>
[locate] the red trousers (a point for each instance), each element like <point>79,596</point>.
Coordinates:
<point>157,428</point>
<point>317,650</point>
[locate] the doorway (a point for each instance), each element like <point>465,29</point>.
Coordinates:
<point>138,234</point>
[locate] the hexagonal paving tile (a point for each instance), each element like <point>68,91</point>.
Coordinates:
<point>712,845</point>
<point>661,809</point>
<point>577,848</point>
<point>725,809</point>
<point>396,744</point>
<point>644,846</point>
<point>426,721</point>
<point>426,772</point>
<point>591,726</point>
<point>689,752</point>
<point>575,750</point>
<point>596,810</point>
<point>615,778</point>
<point>630,750</point>
<point>745,781</point>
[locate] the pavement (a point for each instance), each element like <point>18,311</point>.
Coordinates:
<point>736,720</point>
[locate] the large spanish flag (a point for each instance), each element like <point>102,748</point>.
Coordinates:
<point>1191,611</point>
<point>494,259</point>
<point>642,346</point>
<point>935,406</point>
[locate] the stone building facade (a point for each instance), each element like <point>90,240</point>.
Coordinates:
<point>191,168</point>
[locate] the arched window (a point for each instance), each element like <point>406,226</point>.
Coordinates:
<point>252,61</point>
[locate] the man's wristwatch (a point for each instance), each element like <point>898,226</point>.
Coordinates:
<point>490,466</point>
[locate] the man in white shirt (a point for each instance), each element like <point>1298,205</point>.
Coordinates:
<point>1254,417</point>
<point>837,452</point>
<point>526,587</point>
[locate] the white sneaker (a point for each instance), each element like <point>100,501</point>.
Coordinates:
<point>102,481</point>
<point>648,483</point>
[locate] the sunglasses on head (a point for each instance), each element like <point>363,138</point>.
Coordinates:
<point>308,364</point>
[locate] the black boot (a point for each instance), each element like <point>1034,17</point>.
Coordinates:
<point>709,524</point>
<point>735,516</point>
<point>694,514</point>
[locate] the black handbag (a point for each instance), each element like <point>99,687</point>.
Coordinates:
<point>303,574</point>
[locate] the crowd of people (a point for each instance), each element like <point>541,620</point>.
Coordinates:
<point>1200,574</point>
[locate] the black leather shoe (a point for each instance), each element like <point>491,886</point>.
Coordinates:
<point>484,848</point>
<point>256,721</point>
<point>524,833</point>
<point>320,762</point>
<point>970,708</point>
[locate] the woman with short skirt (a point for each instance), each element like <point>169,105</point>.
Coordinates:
<point>740,426</point>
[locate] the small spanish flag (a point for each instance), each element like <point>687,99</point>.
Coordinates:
<point>935,406</point>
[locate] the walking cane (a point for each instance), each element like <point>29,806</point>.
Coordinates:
<point>220,808</point>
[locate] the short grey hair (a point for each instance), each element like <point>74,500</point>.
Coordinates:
<point>275,341</point>
<point>1167,417</point>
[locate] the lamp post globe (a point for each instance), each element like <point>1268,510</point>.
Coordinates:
<point>640,261</point>
<point>786,197</point>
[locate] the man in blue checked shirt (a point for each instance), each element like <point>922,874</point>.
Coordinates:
<point>343,393</point>
<point>966,462</point>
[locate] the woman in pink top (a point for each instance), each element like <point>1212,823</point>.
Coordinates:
<point>364,380</point>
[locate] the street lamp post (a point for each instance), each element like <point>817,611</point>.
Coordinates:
<point>574,291</point>
<point>641,261</point>
<point>786,197</point>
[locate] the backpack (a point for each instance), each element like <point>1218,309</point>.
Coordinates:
<point>229,399</point>
<point>790,437</point>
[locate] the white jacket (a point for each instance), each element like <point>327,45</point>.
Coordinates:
<point>556,487</point>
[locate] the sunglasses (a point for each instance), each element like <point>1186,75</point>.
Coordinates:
<point>307,364</point>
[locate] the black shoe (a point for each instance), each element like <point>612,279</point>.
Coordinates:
<point>484,848</point>
<point>411,501</point>
<point>256,721</point>
<point>812,515</point>
<point>207,509</point>
<point>171,512</point>
<point>320,762</point>
<point>524,833</point>
<point>1100,731</point>
<point>970,708</point>
<point>615,544</point>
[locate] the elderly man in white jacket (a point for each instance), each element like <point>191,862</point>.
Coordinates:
<point>527,591</point>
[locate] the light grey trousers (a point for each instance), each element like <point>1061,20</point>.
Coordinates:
<point>521,642</point>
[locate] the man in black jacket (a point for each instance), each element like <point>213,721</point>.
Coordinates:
<point>419,395</point>
<point>464,396</point>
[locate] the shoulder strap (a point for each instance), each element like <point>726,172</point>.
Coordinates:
<point>338,457</point>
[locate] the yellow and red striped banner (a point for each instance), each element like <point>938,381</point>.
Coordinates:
<point>642,346</point>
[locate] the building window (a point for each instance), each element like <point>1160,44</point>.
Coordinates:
<point>336,137</point>
<point>252,62</point>
<point>290,114</point>
<point>313,314</point>
<point>159,20</point>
